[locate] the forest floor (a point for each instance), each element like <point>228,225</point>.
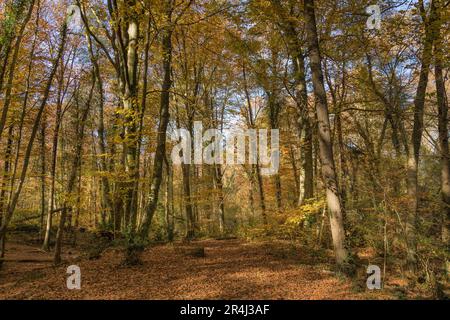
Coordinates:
<point>231,269</point>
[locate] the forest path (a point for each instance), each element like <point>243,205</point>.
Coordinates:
<point>231,269</point>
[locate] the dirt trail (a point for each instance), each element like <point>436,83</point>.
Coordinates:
<point>232,269</point>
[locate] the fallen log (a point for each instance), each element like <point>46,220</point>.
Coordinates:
<point>198,252</point>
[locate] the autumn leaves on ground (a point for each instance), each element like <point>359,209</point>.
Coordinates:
<point>229,269</point>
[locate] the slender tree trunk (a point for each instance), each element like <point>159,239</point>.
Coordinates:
<point>416,140</point>
<point>51,207</point>
<point>43,173</point>
<point>218,178</point>
<point>163,123</point>
<point>308,165</point>
<point>168,201</point>
<point>255,167</point>
<point>262,201</point>
<point>5,178</point>
<point>294,172</point>
<point>4,63</point>
<point>251,197</point>
<point>190,220</point>
<point>130,102</point>
<point>342,161</point>
<point>141,115</point>
<point>325,144</point>
<point>71,183</point>
<point>443,138</point>
<point>106,191</point>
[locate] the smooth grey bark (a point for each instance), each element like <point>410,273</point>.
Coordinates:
<point>141,116</point>
<point>130,102</point>
<point>325,144</point>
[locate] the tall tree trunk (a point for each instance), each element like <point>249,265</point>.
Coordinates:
<point>262,201</point>
<point>72,181</point>
<point>308,166</point>
<point>325,144</point>
<point>43,173</point>
<point>130,102</point>
<point>141,114</point>
<point>187,200</point>
<point>6,177</point>
<point>294,172</point>
<point>218,179</point>
<point>443,137</point>
<point>168,201</point>
<point>106,191</point>
<point>251,198</point>
<point>255,167</point>
<point>163,123</point>
<point>51,206</point>
<point>416,140</point>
